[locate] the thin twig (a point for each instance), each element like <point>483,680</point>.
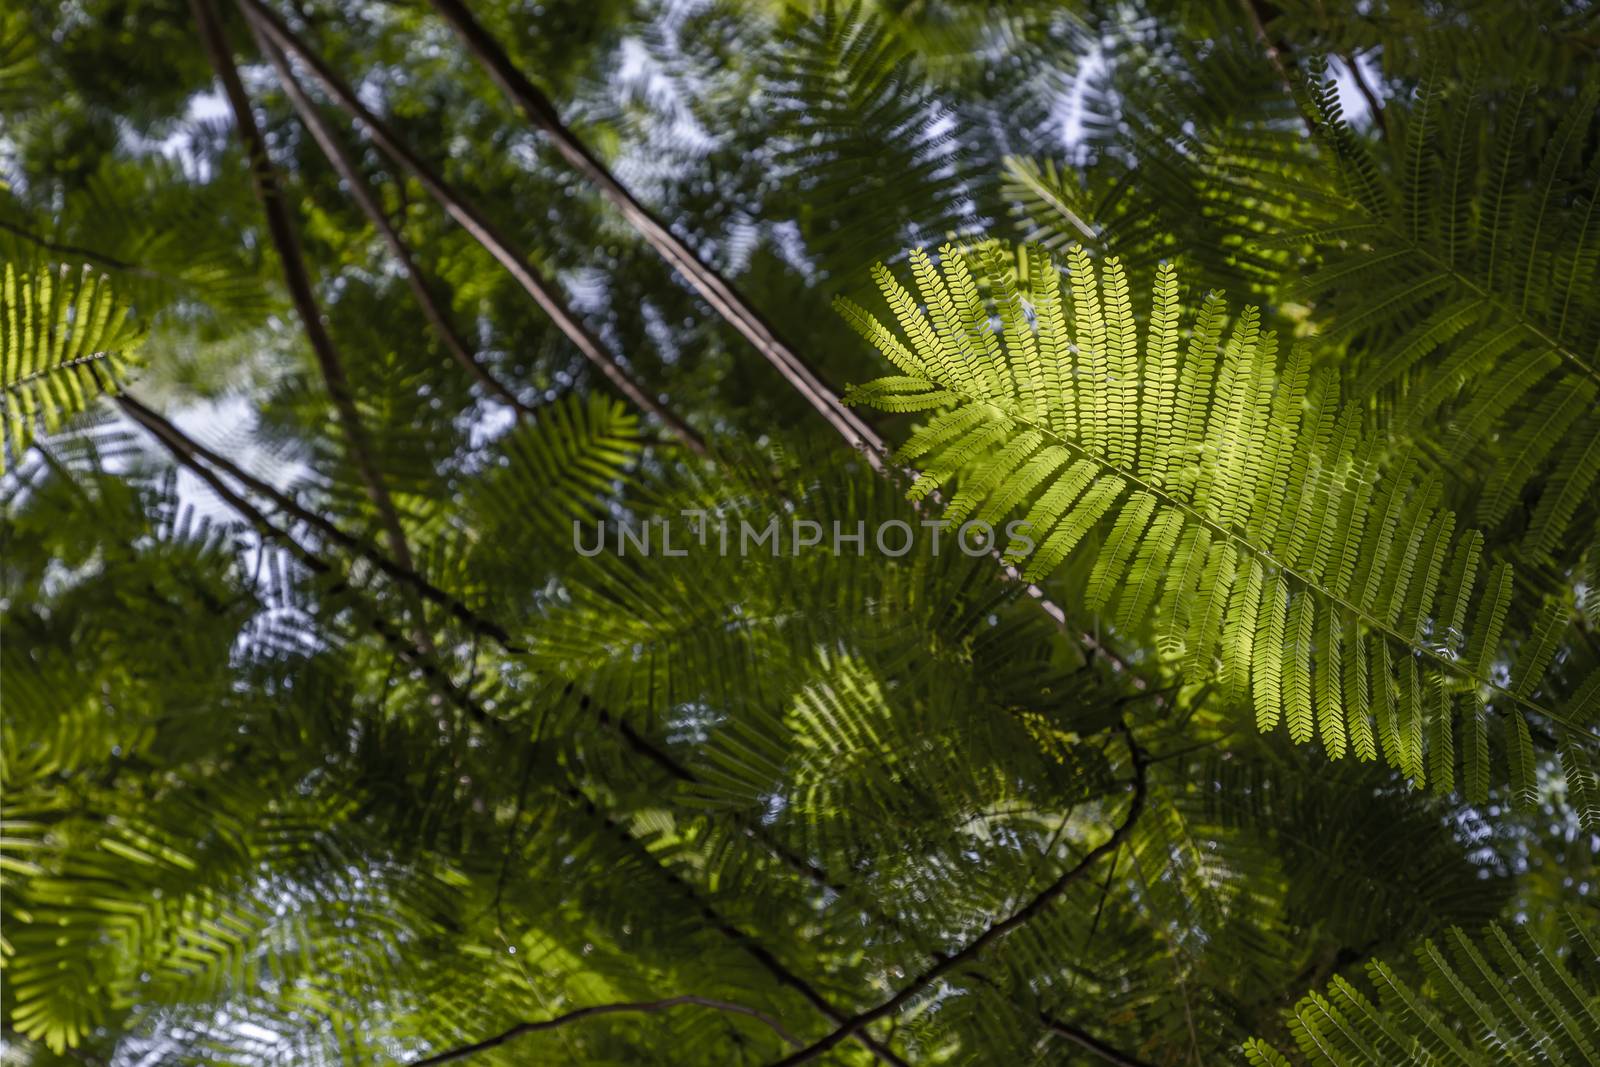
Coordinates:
<point>1380,118</point>
<point>1088,1042</point>
<point>420,659</point>
<point>756,951</point>
<point>1105,894</point>
<point>995,931</point>
<point>579,1014</point>
<point>76,251</point>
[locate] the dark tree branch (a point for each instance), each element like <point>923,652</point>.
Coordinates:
<point>1256,13</point>
<point>726,300</point>
<point>184,452</point>
<point>856,433</point>
<point>724,927</point>
<point>75,251</point>
<point>1076,1034</point>
<point>195,457</point>
<point>821,877</point>
<point>471,220</point>
<point>1380,118</point>
<point>996,931</point>
<point>284,238</point>
<point>643,746</point>
<point>580,1014</point>
<point>368,202</point>
<point>185,448</point>
<point>190,452</point>
<point>1088,1042</point>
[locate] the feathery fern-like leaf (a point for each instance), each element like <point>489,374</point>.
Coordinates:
<point>1242,501</point>
<point>1501,996</point>
<point>1465,287</point>
<point>64,340</point>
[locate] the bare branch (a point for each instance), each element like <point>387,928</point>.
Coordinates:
<point>1256,14</point>
<point>1380,118</point>
<point>364,198</point>
<point>185,452</point>
<point>726,300</point>
<point>196,458</point>
<point>995,931</point>
<point>471,220</point>
<point>580,1014</point>
<point>286,241</point>
<point>1088,1042</point>
<point>185,449</point>
<point>752,948</point>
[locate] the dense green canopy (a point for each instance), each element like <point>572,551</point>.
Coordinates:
<point>1123,494</point>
